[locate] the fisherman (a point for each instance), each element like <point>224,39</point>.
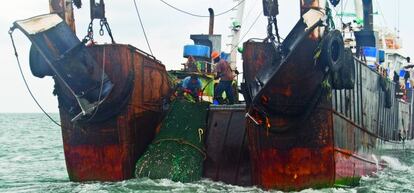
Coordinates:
<point>191,64</point>
<point>226,76</point>
<point>192,85</point>
<point>409,67</point>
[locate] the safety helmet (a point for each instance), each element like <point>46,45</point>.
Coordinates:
<point>215,55</point>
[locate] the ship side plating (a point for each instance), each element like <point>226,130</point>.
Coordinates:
<point>305,128</point>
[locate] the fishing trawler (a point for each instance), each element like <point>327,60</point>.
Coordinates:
<point>315,113</point>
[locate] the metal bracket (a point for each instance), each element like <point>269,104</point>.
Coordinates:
<point>97,10</point>
<point>270,8</point>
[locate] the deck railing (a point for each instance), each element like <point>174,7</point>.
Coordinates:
<point>371,110</point>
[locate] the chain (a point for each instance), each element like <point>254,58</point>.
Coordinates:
<point>276,29</point>
<point>89,33</point>
<point>270,24</point>
<point>105,23</point>
<point>272,21</point>
<point>102,23</point>
<point>270,29</point>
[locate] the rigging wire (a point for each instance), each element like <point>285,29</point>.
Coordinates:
<point>398,18</point>
<point>342,13</point>
<point>251,26</point>
<point>382,13</point>
<point>345,5</point>
<point>102,84</point>
<point>396,25</point>
<point>142,26</point>
<point>196,15</point>
<point>26,84</point>
<point>343,9</point>
<point>247,32</point>
<point>250,11</point>
<point>242,24</point>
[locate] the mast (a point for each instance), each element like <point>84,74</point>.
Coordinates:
<point>358,10</point>
<point>64,9</point>
<point>368,15</point>
<point>366,37</point>
<point>235,29</point>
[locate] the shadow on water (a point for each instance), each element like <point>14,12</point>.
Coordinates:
<point>31,160</point>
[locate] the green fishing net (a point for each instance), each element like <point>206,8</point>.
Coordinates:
<point>177,152</point>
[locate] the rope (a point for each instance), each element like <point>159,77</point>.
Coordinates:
<point>346,4</point>
<point>398,18</point>
<point>247,32</point>
<point>142,26</point>
<point>342,14</point>
<point>381,13</point>
<point>182,141</point>
<point>25,81</point>
<point>102,82</point>
<point>250,11</point>
<point>196,15</point>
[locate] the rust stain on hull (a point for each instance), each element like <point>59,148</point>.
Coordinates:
<point>295,159</point>
<point>107,149</point>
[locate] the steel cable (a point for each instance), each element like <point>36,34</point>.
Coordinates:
<point>247,32</point>
<point>142,26</point>
<point>196,15</point>
<point>26,84</point>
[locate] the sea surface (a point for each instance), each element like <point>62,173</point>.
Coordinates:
<point>32,160</point>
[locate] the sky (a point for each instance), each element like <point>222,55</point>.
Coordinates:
<point>168,31</point>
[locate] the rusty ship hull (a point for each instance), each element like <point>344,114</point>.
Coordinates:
<point>294,132</point>
<point>128,90</point>
<point>302,132</point>
<point>339,142</point>
<point>107,149</point>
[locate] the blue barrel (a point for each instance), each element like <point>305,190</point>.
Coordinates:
<point>196,51</point>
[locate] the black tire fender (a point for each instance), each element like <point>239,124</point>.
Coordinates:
<point>332,52</point>
<point>348,70</point>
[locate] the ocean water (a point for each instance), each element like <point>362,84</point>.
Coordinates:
<point>31,160</point>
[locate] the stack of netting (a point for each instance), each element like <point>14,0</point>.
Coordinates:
<point>177,152</point>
